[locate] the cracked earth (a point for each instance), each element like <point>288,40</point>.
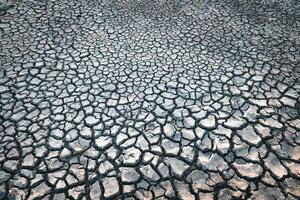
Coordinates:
<point>140,99</point>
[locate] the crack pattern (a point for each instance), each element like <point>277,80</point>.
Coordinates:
<point>140,99</point>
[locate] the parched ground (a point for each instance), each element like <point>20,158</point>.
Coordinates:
<point>150,99</point>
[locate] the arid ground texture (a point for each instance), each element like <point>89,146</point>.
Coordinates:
<point>150,99</point>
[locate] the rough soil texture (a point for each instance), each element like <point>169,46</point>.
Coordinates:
<point>140,99</point>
